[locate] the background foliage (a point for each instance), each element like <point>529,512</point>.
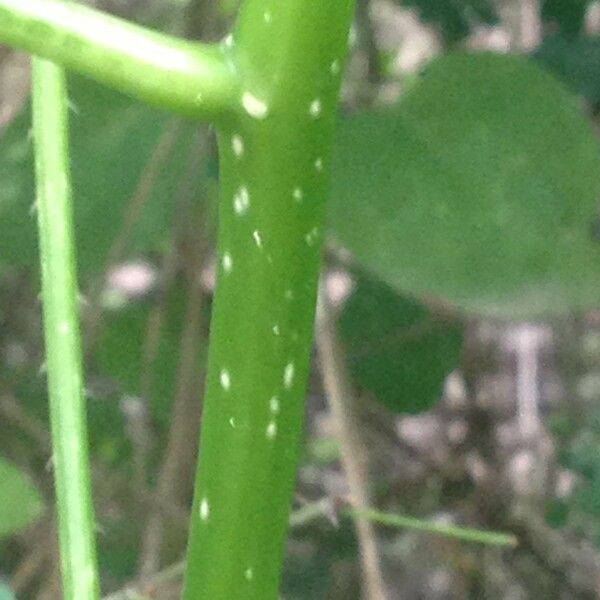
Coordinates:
<point>464,201</point>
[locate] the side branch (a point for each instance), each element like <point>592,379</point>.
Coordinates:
<point>190,78</point>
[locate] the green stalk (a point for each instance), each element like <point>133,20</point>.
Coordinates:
<point>274,157</point>
<point>187,77</point>
<point>61,325</point>
<point>466,534</point>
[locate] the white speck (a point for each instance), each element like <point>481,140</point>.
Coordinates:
<point>257,238</point>
<point>276,330</point>
<point>319,164</point>
<point>288,375</point>
<point>241,201</point>
<point>274,405</point>
<point>267,16</point>
<point>315,108</point>
<point>228,41</point>
<point>249,573</point>
<point>225,379</point>
<point>334,68</point>
<point>311,236</point>
<point>255,107</point>
<point>272,430</point>
<point>297,194</point>
<point>227,262</point>
<point>204,510</point>
<point>237,144</point>
<point>64,328</point>
<point>232,422</point>
<point>289,294</point>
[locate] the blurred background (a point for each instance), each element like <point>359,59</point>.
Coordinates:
<point>412,407</point>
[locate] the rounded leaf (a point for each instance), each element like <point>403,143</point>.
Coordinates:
<point>479,189</point>
<point>397,348</point>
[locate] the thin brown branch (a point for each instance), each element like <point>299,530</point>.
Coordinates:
<point>342,405</point>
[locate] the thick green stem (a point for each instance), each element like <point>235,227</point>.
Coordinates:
<point>63,346</point>
<point>275,155</point>
<point>190,78</point>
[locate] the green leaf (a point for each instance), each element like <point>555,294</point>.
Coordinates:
<point>112,141</point>
<point>480,188</point>
<point>576,61</point>
<point>397,348</point>
<point>454,19</point>
<point>20,502</point>
<point>568,15</point>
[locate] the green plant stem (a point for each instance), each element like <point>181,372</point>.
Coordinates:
<point>274,160</point>
<point>61,325</point>
<point>466,534</point>
<point>187,77</point>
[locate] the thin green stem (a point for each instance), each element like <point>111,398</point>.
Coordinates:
<point>466,534</point>
<point>61,324</point>
<point>187,77</point>
<point>274,160</point>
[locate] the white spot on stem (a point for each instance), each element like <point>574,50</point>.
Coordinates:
<point>319,164</point>
<point>315,108</point>
<point>334,67</point>
<point>257,238</point>
<point>227,262</point>
<point>241,201</point>
<point>272,430</point>
<point>249,573</point>
<point>274,405</point>
<point>225,379</point>
<point>298,194</point>
<point>232,422</point>
<point>288,375</point>
<point>276,330</point>
<point>204,510</point>
<point>267,17</point>
<point>311,236</point>
<point>256,108</point>
<point>237,145</point>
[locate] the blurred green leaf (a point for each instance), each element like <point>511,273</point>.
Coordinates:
<point>567,15</point>
<point>113,139</point>
<point>119,353</point>
<point>454,19</point>
<point>480,188</point>
<point>397,348</point>
<point>20,502</point>
<point>574,60</point>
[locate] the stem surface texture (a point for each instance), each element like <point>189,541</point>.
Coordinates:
<point>274,160</point>
<point>61,324</point>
